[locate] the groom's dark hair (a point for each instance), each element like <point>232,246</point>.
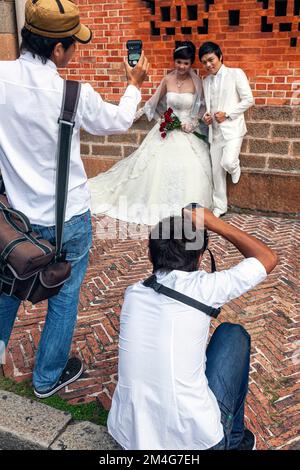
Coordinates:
<point>210,48</point>
<point>174,243</point>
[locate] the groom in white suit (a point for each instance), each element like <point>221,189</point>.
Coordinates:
<point>227,96</point>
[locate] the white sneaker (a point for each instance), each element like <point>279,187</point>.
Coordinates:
<point>235,176</point>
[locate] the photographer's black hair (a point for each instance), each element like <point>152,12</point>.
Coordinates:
<point>42,46</point>
<point>170,252</point>
<point>210,48</point>
<point>187,53</point>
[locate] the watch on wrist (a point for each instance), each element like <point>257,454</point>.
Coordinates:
<point>226,116</point>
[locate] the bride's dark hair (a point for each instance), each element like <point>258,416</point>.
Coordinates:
<point>185,50</point>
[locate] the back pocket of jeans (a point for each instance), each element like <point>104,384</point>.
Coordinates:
<point>79,239</point>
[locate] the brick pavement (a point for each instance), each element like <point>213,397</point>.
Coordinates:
<point>268,312</point>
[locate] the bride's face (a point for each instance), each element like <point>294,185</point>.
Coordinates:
<point>182,66</point>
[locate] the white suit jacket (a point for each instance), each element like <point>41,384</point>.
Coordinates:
<point>235,97</point>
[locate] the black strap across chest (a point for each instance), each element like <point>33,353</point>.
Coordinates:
<point>161,289</point>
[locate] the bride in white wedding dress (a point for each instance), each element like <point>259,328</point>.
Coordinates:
<point>163,174</point>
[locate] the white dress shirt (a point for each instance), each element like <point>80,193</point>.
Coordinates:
<point>162,399</point>
<point>30,104</point>
<point>215,84</point>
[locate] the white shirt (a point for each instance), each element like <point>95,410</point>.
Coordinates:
<point>30,104</point>
<point>215,85</point>
<point>162,399</point>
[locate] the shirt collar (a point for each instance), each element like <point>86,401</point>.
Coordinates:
<point>26,55</point>
<point>219,72</point>
<point>175,273</point>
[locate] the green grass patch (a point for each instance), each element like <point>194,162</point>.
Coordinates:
<point>92,411</point>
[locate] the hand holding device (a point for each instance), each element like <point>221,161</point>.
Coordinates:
<point>136,75</point>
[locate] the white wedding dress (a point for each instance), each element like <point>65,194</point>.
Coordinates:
<point>160,177</point>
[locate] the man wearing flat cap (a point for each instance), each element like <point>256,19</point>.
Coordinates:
<point>31,91</point>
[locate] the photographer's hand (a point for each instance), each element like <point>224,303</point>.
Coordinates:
<point>248,245</point>
<point>136,75</point>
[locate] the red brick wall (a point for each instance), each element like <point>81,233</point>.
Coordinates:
<point>268,58</point>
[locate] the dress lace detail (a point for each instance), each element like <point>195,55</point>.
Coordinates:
<point>160,177</point>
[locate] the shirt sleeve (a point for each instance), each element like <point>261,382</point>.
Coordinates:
<point>223,286</point>
<point>101,118</point>
<point>245,93</point>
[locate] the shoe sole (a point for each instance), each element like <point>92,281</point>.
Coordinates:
<point>49,394</point>
<point>254,445</point>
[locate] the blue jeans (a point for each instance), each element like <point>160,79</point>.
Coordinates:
<point>227,371</point>
<point>56,339</point>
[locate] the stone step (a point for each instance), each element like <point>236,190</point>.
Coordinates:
<point>83,435</point>
<point>26,424</point>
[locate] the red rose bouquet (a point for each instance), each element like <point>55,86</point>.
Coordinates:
<point>171,122</point>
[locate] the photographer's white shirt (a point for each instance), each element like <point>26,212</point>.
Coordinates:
<point>162,399</point>
<point>30,104</point>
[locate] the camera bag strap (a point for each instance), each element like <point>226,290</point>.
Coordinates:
<point>66,123</point>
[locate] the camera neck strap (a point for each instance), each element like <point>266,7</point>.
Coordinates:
<point>174,294</point>
<point>66,123</point>
<point>212,261</point>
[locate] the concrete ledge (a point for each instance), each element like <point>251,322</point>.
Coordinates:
<point>27,424</point>
<point>30,425</point>
<point>84,435</point>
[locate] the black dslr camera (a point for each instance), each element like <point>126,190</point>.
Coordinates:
<point>134,51</point>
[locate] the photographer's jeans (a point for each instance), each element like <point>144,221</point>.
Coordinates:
<point>55,343</point>
<point>227,371</point>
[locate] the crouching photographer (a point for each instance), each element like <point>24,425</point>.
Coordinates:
<point>173,391</point>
